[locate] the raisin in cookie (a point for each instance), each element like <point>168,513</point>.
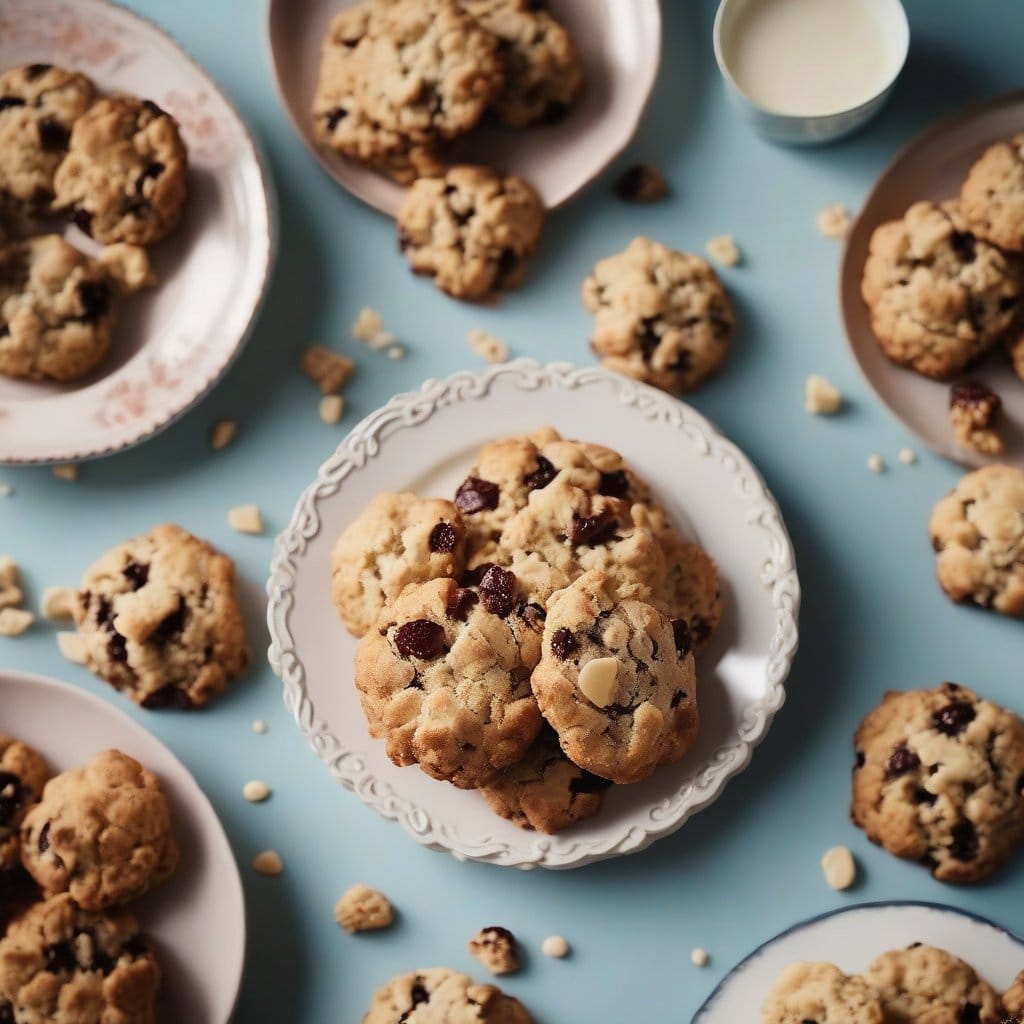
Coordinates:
<point>444,677</point>
<point>398,77</point>
<point>545,791</point>
<point>616,681</point>
<point>925,985</point>
<point>101,832</point>
<point>819,993</point>
<point>39,105</point>
<point>937,779</point>
<point>437,995</point>
<point>661,316</point>
<point>160,619</point>
<point>472,231</point>
<point>399,539</point>
<point>23,773</point>
<point>938,296</point>
<point>992,195</point>
<point>124,178</point>
<point>63,964</point>
<point>978,534</point>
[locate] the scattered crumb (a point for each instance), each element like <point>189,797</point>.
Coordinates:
<point>259,726</point>
<point>839,868</point>
<point>367,325</point>
<point>222,434</point>
<point>14,621</point>
<point>496,948</point>
<point>556,946</point>
<point>833,221</point>
<point>68,471</point>
<point>72,646</point>
<point>722,249</point>
<point>821,397</point>
<point>487,346</point>
<point>396,352</point>
<point>332,408</point>
<point>10,583</point>
<point>58,603</point>
<point>974,412</point>
<point>268,863</point>
<point>699,957</point>
<point>6,490</point>
<point>255,791</point>
<point>362,909</point>
<point>382,340</point>
<point>245,519</point>
<point>876,463</point>
<point>330,370</point>
<point>908,456</point>
<point>641,183</point>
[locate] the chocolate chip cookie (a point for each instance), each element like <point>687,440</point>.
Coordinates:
<point>472,231</point>
<point>160,619</point>
<point>616,681</point>
<point>67,965</point>
<point>978,535</point>
<point>819,993</point>
<point>101,833</point>
<point>938,295</point>
<point>992,196</point>
<point>444,677</point>
<point>437,995</point>
<point>399,539</point>
<point>938,779</point>
<point>23,773</point>
<point>661,316</point>
<point>691,590</point>
<point>124,178</point>
<point>1013,1001</point>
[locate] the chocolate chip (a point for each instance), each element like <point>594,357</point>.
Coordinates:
<point>859,760</point>
<point>589,531</point>
<point>420,638</point>
<point>922,796</point>
<point>953,718</point>
<point>153,108</point>
<point>6,102</point>
<point>476,495</point>
<point>970,1013</point>
<point>419,994</point>
<point>34,71</point>
<point>43,841</point>
<point>587,783</point>
<point>614,485</point>
<point>104,613</point>
<point>82,219</point>
<point>6,1013</point>
<point>508,262</point>
<point>53,137</point>
<point>563,643</point>
<point>901,761</point>
<point>152,170</point>
<point>533,615</point>
<point>641,183</point>
<point>472,577</point>
<point>494,933</point>
<point>172,624</point>
<point>677,699</point>
<point>11,795</point>
<point>94,298</point>
<point>169,696</point>
<point>963,245</point>
<point>461,603</point>
<point>497,591</point>
<point>555,112</point>
<point>648,339</point>
<point>136,574</point>
<point>60,958</point>
<point>117,646</point>
<point>541,476</point>
<point>682,637</point>
<point>964,846</point>
<point>334,117</point>
<point>443,538</point>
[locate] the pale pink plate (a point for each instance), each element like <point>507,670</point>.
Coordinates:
<point>933,167</point>
<point>620,41</point>
<point>175,341</point>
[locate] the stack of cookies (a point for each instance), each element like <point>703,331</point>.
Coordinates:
<point>114,166</point>
<point>535,637</point>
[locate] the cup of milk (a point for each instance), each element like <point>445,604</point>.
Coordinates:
<point>809,71</point>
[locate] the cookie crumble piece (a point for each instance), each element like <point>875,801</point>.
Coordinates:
<point>974,412</point>
<point>329,370</point>
<point>641,183</point>
<point>820,397</point>
<point>496,948</point>
<point>723,250</point>
<point>833,221</point>
<point>363,909</point>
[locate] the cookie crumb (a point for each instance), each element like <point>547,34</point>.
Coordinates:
<point>496,948</point>
<point>329,370</point>
<point>723,250</point>
<point>367,325</point>
<point>72,647</point>
<point>6,490</point>
<point>833,221</point>
<point>487,346</point>
<point>396,352</point>
<point>382,340</point>
<point>974,412</point>
<point>907,456</point>
<point>10,583</point>
<point>839,868</point>
<point>268,863</point>
<point>259,727</point>
<point>222,434</point>
<point>820,397</point>
<point>68,471</point>
<point>255,791</point>
<point>699,957</point>
<point>332,408</point>
<point>14,621</point>
<point>245,519</point>
<point>876,463</point>
<point>641,183</point>
<point>58,603</point>
<point>556,946</point>
<point>362,909</point>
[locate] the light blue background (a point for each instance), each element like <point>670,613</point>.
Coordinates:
<point>873,618</point>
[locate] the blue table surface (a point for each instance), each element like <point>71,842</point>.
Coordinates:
<point>873,617</point>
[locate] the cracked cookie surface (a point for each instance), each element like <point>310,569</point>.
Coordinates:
<point>23,774</point>
<point>437,995</point>
<point>992,195</point>
<point>822,994</point>
<point>938,779</point>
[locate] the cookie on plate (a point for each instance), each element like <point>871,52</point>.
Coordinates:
<point>399,539</point>
<point>124,178</point>
<point>937,779</point>
<point>39,104</point>
<point>160,619</point>
<point>472,231</point>
<point>23,773</point>
<point>926,985</point>
<point>691,590</point>
<point>616,681</point>
<point>444,677</point>
<point>992,195</point>
<point>978,535</point>
<point>661,316</point>
<point>938,296</point>
<point>822,994</point>
<point>101,833</point>
<point>61,963</point>
<point>545,791</point>
<point>438,995</point>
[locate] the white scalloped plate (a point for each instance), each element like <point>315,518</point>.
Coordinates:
<point>620,41</point>
<point>851,938</point>
<point>425,441</point>
<point>196,920</point>
<point>175,341</point>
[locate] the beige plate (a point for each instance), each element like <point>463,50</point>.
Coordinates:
<point>931,167</point>
<point>620,41</point>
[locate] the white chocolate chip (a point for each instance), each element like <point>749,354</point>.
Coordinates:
<point>839,868</point>
<point>222,434</point>
<point>58,603</point>
<point>876,463</point>
<point>699,957</point>
<point>908,456</point>
<point>68,471</point>
<point>487,346</point>
<point>268,863</point>
<point>396,352</point>
<point>833,221</point>
<point>259,726</point>
<point>255,791</point>
<point>367,324</point>
<point>556,946</point>
<point>245,519</point>
<point>14,621</point>
<point>821,397</point>
<point>598,681</point>
<point>332,408</point>
<point>722,249</point>
<point>72,646</point>
<point>382,340</point>
<point>10,580</point>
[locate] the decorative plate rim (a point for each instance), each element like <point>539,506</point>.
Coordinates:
<point>778,575</point>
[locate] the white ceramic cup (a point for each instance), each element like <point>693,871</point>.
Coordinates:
<point>819,127</point>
